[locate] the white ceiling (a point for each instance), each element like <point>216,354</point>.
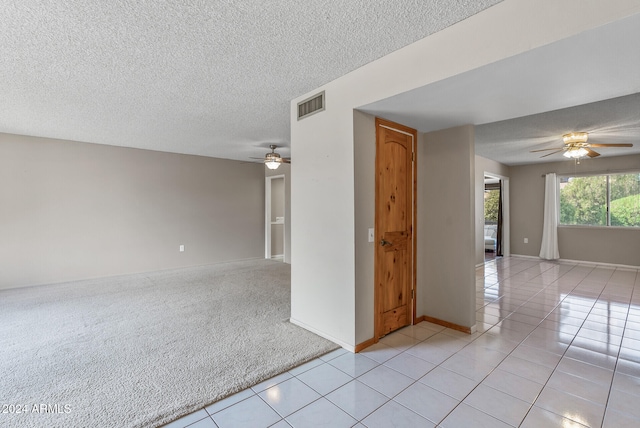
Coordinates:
<point>211,78</point>
<point>527,102</point>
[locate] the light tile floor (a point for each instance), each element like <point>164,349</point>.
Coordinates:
<point>558,344</point>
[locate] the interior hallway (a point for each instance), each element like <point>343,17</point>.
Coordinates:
<point>558,344</point>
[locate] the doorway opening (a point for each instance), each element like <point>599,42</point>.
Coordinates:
<point>274,247</point>
<point>496,219</point>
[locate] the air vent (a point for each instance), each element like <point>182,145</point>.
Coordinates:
<point>310,106</point>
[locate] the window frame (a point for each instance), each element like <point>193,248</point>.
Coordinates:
<point>607,175</point>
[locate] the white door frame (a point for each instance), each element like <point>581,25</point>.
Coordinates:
<point>267,217</point>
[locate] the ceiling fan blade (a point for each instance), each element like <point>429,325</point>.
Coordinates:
<point>592,153</point>
<point>544,150</point>
<point>286,160</point>
<point>256,158</point>
<point>553,153</point>
<point>611,145</point>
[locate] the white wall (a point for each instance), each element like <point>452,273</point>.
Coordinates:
<point>75,210</point>
<point>324,292</point>
<point>322,222</point>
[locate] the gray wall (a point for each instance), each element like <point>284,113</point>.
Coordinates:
<point>445,237</point>
<point>74,210</point>
<point>446,226</point>
<point>277,240</point>
<point>594,244</point>
<point>364,149</point>
<point>277,198</point>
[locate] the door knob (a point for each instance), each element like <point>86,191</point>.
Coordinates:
<point>383,242</point>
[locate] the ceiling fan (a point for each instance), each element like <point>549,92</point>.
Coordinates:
<point>576,146</point>
<point>273,160</point>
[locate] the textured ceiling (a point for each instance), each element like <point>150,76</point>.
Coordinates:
<point>528,101</point>
<point>211,78</point>
<point>612,121</point>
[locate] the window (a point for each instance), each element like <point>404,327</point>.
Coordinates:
<point>600,200</point>
<point>491,205</point>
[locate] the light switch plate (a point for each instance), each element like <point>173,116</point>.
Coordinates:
<point>371,234</point>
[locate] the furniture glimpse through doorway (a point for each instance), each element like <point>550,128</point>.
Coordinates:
<point>496,217</point>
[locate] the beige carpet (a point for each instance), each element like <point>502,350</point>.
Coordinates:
<point>142,350</point>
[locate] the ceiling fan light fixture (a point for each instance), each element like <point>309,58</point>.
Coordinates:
<point>273,160</point>
<point>576,147</point>
<point>575,152</point>
<point>575,137</point>
<point>272,163</point>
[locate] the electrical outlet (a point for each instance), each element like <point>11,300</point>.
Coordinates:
<point>526,240</point>
<point>371,234</point>
<point>181,248</point>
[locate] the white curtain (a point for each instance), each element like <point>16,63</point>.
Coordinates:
<point>549,248</point>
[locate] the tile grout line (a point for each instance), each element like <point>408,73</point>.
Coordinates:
<point>488,374</point>
<point>538,325</point>
<point>520,343</point>
<point>521,298</point>
<point>606,404</point>
<point>564,353</point>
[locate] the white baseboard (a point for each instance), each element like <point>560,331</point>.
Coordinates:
<point>348,347</point>
<point>526,257</point>
<point>582,262</point>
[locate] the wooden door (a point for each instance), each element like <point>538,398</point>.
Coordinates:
<point>395,211</point>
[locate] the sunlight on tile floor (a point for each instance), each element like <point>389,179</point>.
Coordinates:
<point>558,345</point>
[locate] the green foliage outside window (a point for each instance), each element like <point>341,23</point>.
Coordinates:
<point>583,200</point>
<point>491,201</point>
<point>625,200</point>
<point>626,211</point>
